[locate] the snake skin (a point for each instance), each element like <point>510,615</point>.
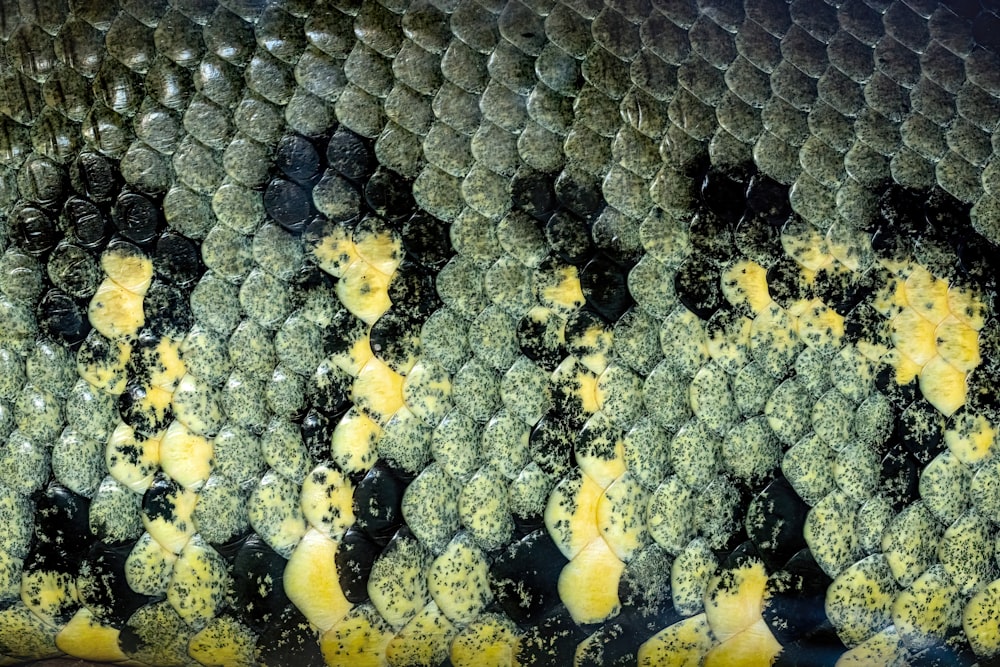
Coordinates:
<point>473,332</point>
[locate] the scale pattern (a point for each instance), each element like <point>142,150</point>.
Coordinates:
<point>485,332</point>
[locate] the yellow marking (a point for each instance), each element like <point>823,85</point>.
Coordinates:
<point>352,360</point>
<point>224,642</point>
<point>597,341</point>
<point>312,583</point>
<point>683,644</point>
<point>148,566</point>
<point>745,284</point>
<point>48,593</point>
<point>384,251</point>
<point>353,443</point>
<point>132,271</point>
<point>621,517</point>
<point>378,391</point>
<point>890,298</point>
<point>820,326</point>
<point>328,501</point>
<point>571,514</point>
<point>753,647</point>
<point>358,640</point>
<point>109,375</point>
<point>132,460</point>
<point>335,252</point>
<point>363,290</point>
<point>186,456</point>
<point>115,311</point>
<point>807,245</point>
<point>486,642</point>
<point>970,438</point>
<point>168,367</point>
<point>859,600</point>
<point>980,620</point>
<point>86,638</point>
<point>907,369</point>
<point>966,304</point>
<point>926,294</point>
<point>173,535</point>
<point>564,294</point>
<point>923,612</point>
<point>943,385</point>
<point>197,589</point>
<point>586,602</point>
<point>602,461</point>
<point>735,599</point>
<point>958,343</point>
<point>852,249</point>
<point>424,640</point>
<point>156,402</point>
<point>914,336</point>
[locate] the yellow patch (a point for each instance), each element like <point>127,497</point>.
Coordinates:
<point>682,644</point>
<point>980,620</point>
<point>335,252</point>
<point>312,583</point>
<point>571,514</point>
<point>353,443</point>
<point>927,295</point>
<point>358,640</point>
<point>735,599</point>
<point>753,647</point>
<point>115,311</point>
<point>745,283</point>
<point>132,271</point>
<point>378,391</point>
<point>328,501</point>
<point>186,456</point>
<point>363,290</point>
<point>84,637</point>
<point>565,295</point>
<point>486,642</point>
<point>585,601</point>
<point>132,460</point>
<point>970,438</point>
<point>169,367</point>
<point>967,305</point>
<point>943,385</point>
<point>914,336</point>
<point>382,250</point>
<point>174,535</point>
<point>958,343</point>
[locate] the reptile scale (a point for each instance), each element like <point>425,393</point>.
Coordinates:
<point>487,333</point>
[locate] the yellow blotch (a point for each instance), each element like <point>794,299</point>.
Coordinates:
<point>312,583</point>
<point>358,640</point>
<point>86,638</point>
<point>382,249</point>
<point>47,593</point>
<point>602,461</point>
<point>132,460</point>
<point>588,584</point>
<point>486,642</point>
<point>571,514</point>
<point>745,283</point>
<point>906,368</point>
<point>914,336</point>
<point>424,640</point>
<point>353,359</point>
<point>735,599</point>
<point>129,268</point>
<point>353,443</point>
<point>363,290</point>
<point>966,304</point>
<point>224,642</point>
<point>683,644</point>
<point>378,391</point>
<point>852,249</point>
<point>587,393</point>
<point>970,438</point>
<point>186,456</point>
<point>807,245</point>
<point>168,367</point>
<point>890,298</point>
<point>156,402</point>
<point>943,385</point>
<point>820,326</point>
<point>753,647</point>
<point>115,311</point>
<point>335,251</point>
<point>564,294</point>
<point>328,501</point>
<point>173,535</point>
<point>980,620</point>
<point>596,340</point>
<point>958,343</point>
<point>621,517</point>
<point>926,294</point>
<point>108,374</point>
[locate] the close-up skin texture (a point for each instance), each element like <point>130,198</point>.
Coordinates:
<point>496,333</point>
